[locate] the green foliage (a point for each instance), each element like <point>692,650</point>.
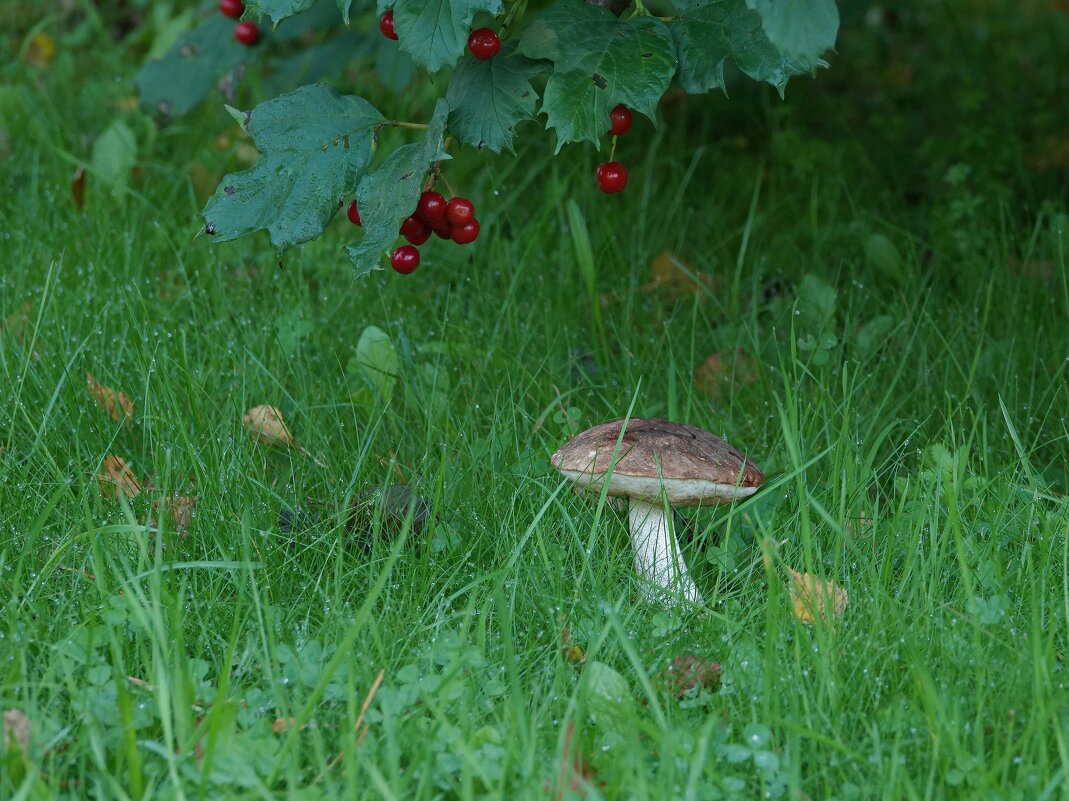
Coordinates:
<point>598,62</point>
<point>176,83</point>
<point>567,64</point>
<point>389,194</point>
<point>315,144</point>
<point>434,32</point>
<point>487,99</point>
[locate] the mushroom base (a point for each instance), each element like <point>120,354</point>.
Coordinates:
<point>657,555</point>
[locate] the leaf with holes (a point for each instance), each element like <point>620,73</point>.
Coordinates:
<point>488,98</point>
<point>175,84</point>
<point>315,146</point>
<point>599,61</point>
<point>389,194</point>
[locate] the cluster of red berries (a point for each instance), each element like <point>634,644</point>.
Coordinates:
<point>612,175</point>
<point>483,43</point>
<point>453,219</point>
<point>247,32</point>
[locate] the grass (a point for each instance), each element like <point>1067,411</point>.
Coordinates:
<point>899,301</point>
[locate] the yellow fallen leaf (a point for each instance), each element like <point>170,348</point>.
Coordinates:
<point>812,596</point>
<point>670,273</point>
<point>41,50</point>
<point>16,727</point>
<point>181,508</point>
<point>117,478</point>
<point>722,371</point>
<point>108,399</point>
<point>266,425</point>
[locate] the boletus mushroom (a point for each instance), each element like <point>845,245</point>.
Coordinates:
<point>690,466</point>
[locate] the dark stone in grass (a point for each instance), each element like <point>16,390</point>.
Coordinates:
<point>392,504</point>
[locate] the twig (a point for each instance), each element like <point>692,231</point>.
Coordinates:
<point>356,726</point>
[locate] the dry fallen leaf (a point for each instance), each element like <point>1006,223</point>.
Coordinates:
<point>688,672</point>
<point>266,425</point>
<point>284,724</point>
<point>812,596</point>
<point>78,187</point>
<point>117,478</point>
<point>180,508</point>
<point>108,399</point>
<point>722,371</point>
<point>676,277</point>
<point>16,730</point>
<point>17,323</point>
<point>41,50</point>
<point>576,774</point>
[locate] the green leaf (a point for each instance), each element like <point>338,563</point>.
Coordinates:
<point>277,10</point>
<point>599,61</point>
<point>176,83</point>
<point>315,145</point>
<point>708,33</point>
<point>376,358</point>
<point>609,694</point>
<point>488,98</point>
<point>388,195</point>
<point>435,32</point>
<point>114,153</point>
<point>799,29</point>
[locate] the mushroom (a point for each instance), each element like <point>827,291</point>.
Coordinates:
<point>692,467</point>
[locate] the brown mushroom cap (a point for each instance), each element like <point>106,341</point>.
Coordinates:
<point>692,465</point>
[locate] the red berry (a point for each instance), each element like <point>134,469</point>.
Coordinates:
<point>611,177</point>
<point>621,120</point>
<point>459,211</point>
<point>441,228</point>
<point>232,8</point>
<point>484,43</point>
<point>415,230</point>
<point>431,206</point>
<point>465,234</point>
<point>354,214</point>
<point>386,25</point>
<point>405,259</point>
<point>247,32</point>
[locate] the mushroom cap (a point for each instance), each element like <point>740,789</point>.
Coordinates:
<point>693,466</point>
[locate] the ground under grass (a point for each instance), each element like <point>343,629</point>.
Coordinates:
<point>883,285</point>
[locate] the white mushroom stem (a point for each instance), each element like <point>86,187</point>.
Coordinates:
<point>657,556</point>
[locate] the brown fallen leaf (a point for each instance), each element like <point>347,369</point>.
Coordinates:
<point>180,508</point>
<point>576,774</point>
<point>17,324</point>
<point>78,188</point>
<point>266,425</point>
<point>285,724</point>
<point>16,727</point>
<point>117,479</point>
<point>41,50</point>
<point>813,597</point>
<point>687,672</point>
<point>673,275</point>
<point>110,400</point>
<point>723,370</point>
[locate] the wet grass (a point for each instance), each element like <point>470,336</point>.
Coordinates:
<point>891,321</point>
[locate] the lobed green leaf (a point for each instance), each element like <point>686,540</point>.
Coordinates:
<point>488,98</point>
<point>435,32</point>
<point>388,195</point>
<point>175,84</point>
<point>599,61</point>
<point>315,145</point>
